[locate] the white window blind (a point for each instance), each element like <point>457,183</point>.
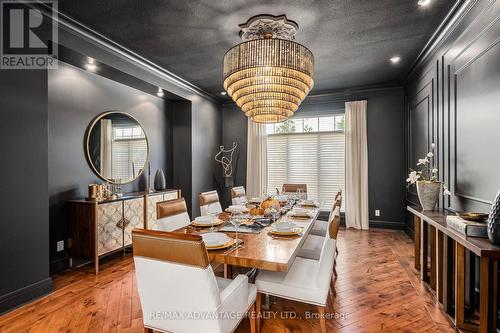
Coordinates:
<point>129,152</point>
<point>315,158</point>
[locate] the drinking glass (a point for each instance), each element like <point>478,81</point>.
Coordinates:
<point>236,220</point>
<point>300,191</point>
<point>212,211</point>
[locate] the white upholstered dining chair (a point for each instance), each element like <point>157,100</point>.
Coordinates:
<point>178,290</point>
<point>209,203</point>
<point>238,195</point>
<point>307,280</point>
<point>320,227</point>
<point>172,214</point>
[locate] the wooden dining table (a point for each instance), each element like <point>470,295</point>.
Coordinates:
<point>262,250</point>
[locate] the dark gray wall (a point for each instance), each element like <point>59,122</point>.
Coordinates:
<point>206,138</point>
<point>182,142</point>
<point>386,165</point>
<point>452,100</point>
<point>24,240</point>
<point>75,98</point>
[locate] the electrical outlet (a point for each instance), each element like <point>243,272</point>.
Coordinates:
<point>377,212</point>
<point>60,246</point>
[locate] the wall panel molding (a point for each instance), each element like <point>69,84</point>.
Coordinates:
<point>466,80</point>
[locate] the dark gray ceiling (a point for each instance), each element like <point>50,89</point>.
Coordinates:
<point>352,40</point>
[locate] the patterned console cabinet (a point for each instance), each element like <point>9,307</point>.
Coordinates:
<point>101,228</point>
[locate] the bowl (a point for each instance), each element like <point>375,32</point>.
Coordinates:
<point>284,226</point>
<point>204,220</point>
<point>212,239</point>
<point>476,217</point>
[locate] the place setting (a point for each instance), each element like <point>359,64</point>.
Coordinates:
<point>220,241</point>
<point>285,230</point>
<point>300,213</point>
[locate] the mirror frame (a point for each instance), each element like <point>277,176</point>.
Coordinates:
<point>87,150</point>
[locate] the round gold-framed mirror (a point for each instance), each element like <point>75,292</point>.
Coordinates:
<point>116,147</point>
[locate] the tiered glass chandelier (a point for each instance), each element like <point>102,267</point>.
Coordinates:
<point>268,75</point>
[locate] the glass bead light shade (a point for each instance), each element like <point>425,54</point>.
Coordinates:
<point>268,78</point>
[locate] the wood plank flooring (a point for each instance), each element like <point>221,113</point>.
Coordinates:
<point>378,290</point>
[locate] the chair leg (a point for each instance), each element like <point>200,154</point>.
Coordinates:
<point>337,250</point>
<point>334,270</point>
<point>253,320</point>
<point>322,319</point>
<point>258,303</point>
<point>332,287</point>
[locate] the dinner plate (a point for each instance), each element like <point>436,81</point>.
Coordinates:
<point>203,224</point>
<point>215,240</point>
<point>293,232</point>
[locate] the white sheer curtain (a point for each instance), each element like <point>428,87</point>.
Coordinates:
<point>256,159</point>
<point>106,148</point>
<point>356,206</point>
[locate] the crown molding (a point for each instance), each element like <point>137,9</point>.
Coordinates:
<point>459,9</point>
<point>98,39</point>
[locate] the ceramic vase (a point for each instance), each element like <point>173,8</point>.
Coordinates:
<point>160,183</point>
<point>494,221</point>
<point>428,194</point>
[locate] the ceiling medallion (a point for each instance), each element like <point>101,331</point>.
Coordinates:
<point>268,75</point>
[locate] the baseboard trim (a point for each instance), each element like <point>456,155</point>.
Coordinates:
<point>387,224</point>
<point>24,295</point>
<point>58,265</point>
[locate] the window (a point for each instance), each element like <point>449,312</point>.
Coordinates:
<point>309,151</point>
<point>129,151</point>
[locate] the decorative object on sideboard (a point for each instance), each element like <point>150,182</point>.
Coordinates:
<point>268,75</point>
<point>467,227</point>
<point>494,221</point>
<point>148,185</point>
<point>225,158</point>
<point>160,181</point>
<point>427,181</point>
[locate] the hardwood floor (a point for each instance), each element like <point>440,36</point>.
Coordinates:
<point>378,290</point>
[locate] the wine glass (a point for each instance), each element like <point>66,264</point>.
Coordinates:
<point>274,212</point>
<point>212,211</point>
<point>236,220</point>
<point>300,192</point>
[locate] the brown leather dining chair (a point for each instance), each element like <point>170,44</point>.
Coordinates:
<point>174,276</point>
<point>209,202</point>
<point>238,195</point>
<point>291,188</point>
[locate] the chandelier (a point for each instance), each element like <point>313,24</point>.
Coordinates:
<point>268,75</point>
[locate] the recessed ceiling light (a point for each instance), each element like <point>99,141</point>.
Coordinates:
<point>90,65</point>
<point>223,93</point>
<point>424,3</point>
<point>160,92</point>
<point>395,60</point>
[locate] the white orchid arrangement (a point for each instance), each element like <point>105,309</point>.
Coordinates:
<point>428,171</point>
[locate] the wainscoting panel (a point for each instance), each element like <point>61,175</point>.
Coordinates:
<point>422,127</point>
<point>466,73</point>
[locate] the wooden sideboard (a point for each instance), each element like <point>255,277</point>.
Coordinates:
<point>99,228</point>
<point>446,260</point>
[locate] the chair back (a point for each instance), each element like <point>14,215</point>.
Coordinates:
<point>174,279</point>
<point>209,202</point>
<point>172,214</point>
<point>238,195</point>
<point>336,204</point>
<point>294,187</point>
<point>327,256</point>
